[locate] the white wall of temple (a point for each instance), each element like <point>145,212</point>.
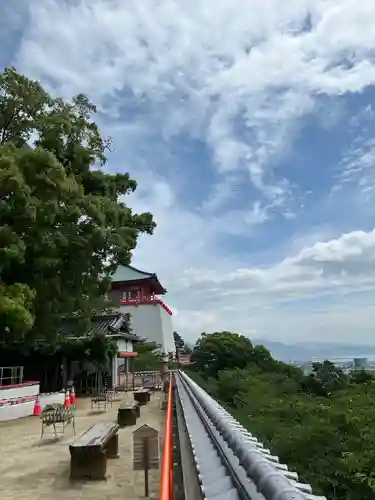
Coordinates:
<point>122,346</point>
<point>167,328</point>
<point>125,345</point>
<point>151,321</point>
<point>114,372</point>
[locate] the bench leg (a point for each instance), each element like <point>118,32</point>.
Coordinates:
<point>92,466</point>
<point>112,447</point>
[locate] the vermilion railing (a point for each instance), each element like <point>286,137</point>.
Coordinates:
<point>146,300</point>
<point>166,486</point>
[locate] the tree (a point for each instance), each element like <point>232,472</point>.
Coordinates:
<point>220,350</point>
<point>178,340</point>
<point>15,309</point>
<point>64,224</point>
<point>331,377</point>
<point>149,357</point>
<point>361,377</point>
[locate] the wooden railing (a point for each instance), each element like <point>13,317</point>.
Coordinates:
<point>166,486</point>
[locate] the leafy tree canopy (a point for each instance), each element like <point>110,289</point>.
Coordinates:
<point>180,343</point>
<point>178,340</point>
<point>149,357</point>
<point>218,351</point>
<point>64,223</point>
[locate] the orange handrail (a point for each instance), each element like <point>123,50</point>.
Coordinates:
<point>166,486</point>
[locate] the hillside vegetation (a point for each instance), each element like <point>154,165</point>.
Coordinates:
<point>321,425</point>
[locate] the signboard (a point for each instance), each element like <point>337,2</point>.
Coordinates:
<point>145,451</point>
<point>146,437</point>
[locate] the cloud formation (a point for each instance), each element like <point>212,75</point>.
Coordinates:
<point>248,126</point>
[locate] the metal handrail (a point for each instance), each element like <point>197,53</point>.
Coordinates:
<point>166,486</point>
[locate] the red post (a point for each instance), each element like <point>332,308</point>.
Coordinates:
<point>166,486</point>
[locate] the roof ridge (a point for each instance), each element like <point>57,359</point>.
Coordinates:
<point>107,315</point>
<point>138,270</point>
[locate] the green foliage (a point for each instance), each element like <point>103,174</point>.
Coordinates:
<point>181,347</point>
<point>15,310</point>
<point>97,349</point>
<point>221,350</point>
<point>331,377</point>
<point>172,365</point>
<point>149,357</point>
<point>322,426</point>
<point>178,340</point>
<point>64,224</point>
<point>361,377</point>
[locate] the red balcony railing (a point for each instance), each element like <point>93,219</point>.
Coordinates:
<point>145,300</point>
<point>166,486</point>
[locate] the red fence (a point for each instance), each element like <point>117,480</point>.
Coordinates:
<point>166,486</point>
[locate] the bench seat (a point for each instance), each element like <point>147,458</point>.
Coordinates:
<point>142,396</point>
<point>128,413</point>
<point>89,452</point>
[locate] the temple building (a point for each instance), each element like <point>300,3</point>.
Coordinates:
<point>138,293</point>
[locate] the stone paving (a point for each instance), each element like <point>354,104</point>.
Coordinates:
<point>32,468</point>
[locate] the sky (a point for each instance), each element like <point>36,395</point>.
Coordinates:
<point>249,128</point>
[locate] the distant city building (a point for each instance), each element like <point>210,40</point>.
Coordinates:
<point>360,363</point>
<point>346,365</point>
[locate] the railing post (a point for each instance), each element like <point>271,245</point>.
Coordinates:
<point>166,483</point>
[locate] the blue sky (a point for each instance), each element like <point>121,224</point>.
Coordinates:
<point>249,128</point>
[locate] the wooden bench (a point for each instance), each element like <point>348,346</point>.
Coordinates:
<point>128,413</point>
<point>142,396</point>
<point>89,453</point>
<point>57,416</point>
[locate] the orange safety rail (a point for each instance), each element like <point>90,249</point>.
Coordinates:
<point>166,486</point>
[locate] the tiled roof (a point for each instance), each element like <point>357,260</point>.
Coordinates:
<point>129,273</point>
<point>107,324</point>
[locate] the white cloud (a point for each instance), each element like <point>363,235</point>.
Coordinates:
<point>239,76</point>
<point>332,273</point>
<point>321,292</point>
<point>196,62</point>
<point>359,167</point>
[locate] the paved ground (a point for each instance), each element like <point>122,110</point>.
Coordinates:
<point>35,469</point>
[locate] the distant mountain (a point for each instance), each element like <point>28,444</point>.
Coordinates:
<point>305,351</point>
